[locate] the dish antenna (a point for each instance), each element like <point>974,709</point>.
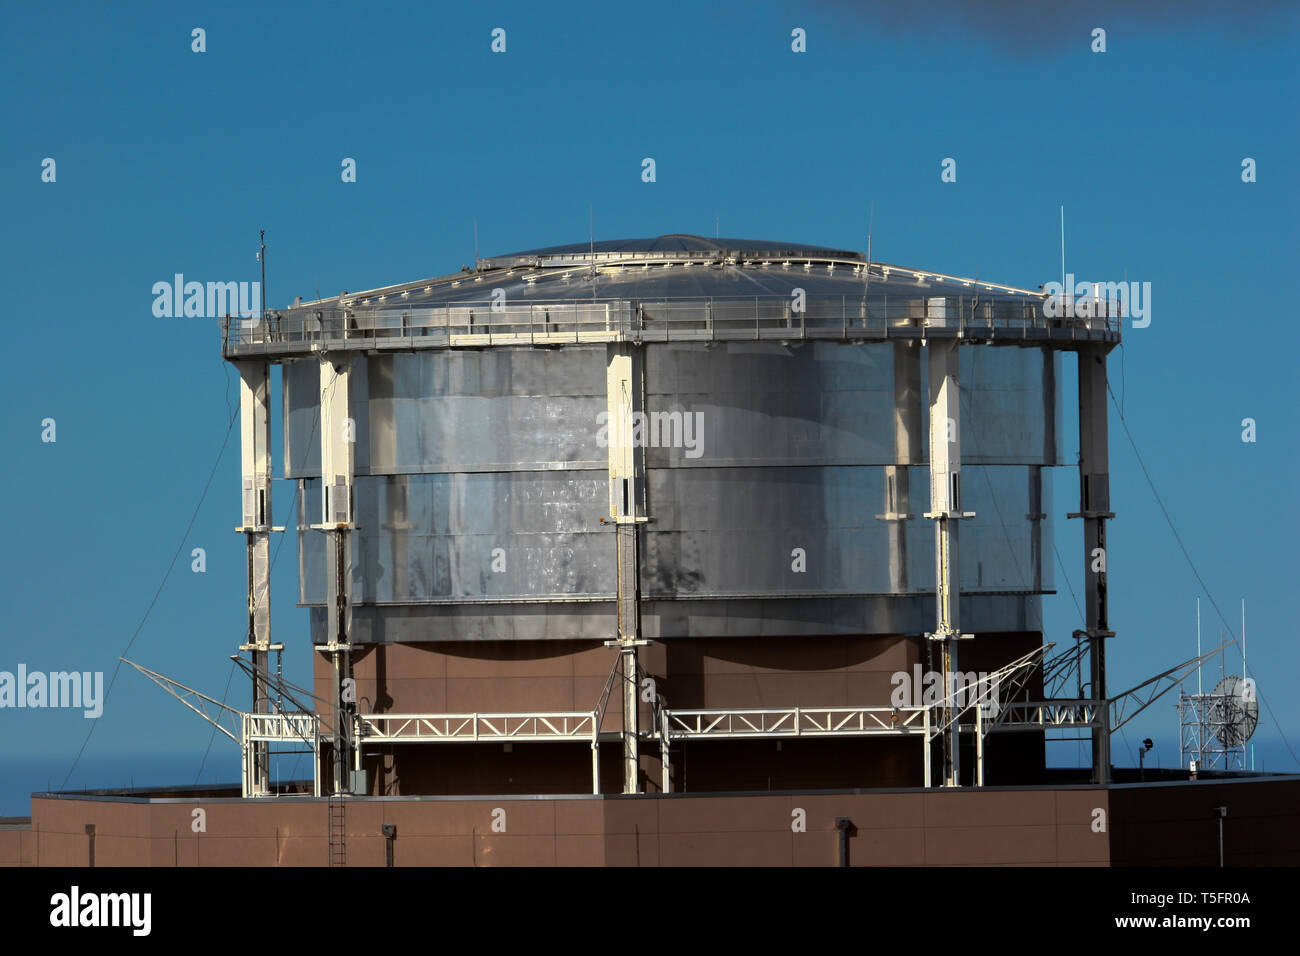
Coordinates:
<point>1234,713</point>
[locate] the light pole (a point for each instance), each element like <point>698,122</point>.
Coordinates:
<point>1142,753</point>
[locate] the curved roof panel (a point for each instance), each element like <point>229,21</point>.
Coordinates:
<point>684,242</point>
<point>677,266</point>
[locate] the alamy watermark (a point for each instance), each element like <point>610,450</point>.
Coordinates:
<point>36,689</point>
<point>1086,300</point>
<point>210,300</point>
<point>74,908</point>
<point>656,430</point>
<point>926,689</point>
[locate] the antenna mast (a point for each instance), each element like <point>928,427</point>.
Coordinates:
<point>1199,689</point>
<point>261,257</point>
<point>1063,289</point>
<point>866,273</point>
<point>591,239</point>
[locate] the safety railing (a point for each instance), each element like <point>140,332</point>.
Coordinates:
<point>794,722</point>
<point>1046,715</point>
<point>435,728</point>
<point>480,323</point>
<point>280,727</point>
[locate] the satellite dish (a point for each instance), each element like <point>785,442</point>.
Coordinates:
<point>1234,713</point>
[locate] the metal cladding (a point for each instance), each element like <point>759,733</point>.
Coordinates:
<point>785,452</point>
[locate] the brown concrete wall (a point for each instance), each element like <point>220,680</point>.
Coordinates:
<point>521,676</point>
<point>467,676</point>
<point>1153,824</point>
<point>17,846</point>
<point>479,676</point>
<point>141,833</point>
<point>1040,827</point>
<point>696,767</point>
<point>1175,825</point>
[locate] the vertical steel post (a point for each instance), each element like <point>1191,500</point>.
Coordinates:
<point>255,473</point>
<point>945,510</point>
<point>629,634</point>
<point>666,786</point>
<point>925,776</point>
<point>625,426</point>
<point>338,436</point>
<point>1094,509</point>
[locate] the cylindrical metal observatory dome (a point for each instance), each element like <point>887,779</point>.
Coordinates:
<point>784,405</point>
<point>803,477</point>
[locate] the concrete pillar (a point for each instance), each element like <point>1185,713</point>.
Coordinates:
<point>255,473</point>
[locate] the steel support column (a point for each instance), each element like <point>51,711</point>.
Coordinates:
<point>1094,509</point>
<point>945,510</point>
<point>255,471</point>
<point>665,764</point>
<point>907,451</point>
<point>625,391</point>
<point>338,435</point>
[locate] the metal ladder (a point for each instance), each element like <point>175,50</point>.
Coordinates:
<point>338,830</point>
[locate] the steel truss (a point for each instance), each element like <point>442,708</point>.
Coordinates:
<point>1046,715</point>
<point>473,728</point>
<point>279,728</point>
<point>247,730</point>
<point>795,722</point>
<point>1068,713</point>
<point>1202,720</point>
<point>990,715</point>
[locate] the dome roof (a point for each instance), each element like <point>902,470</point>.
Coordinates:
<point>677,266</point>
<point>684,242</point>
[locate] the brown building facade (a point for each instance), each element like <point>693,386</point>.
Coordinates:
<point>1139,824</point>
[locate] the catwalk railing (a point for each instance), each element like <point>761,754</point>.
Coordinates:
<point>477,324</point>
<point>795,722</point>
<point>437,728</point>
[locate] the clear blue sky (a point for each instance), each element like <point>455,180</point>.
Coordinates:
<point>170,161</point>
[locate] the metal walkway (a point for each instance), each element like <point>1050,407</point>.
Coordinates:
<point>988,319</point>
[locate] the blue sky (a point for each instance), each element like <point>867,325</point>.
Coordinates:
<point>170,161</point>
